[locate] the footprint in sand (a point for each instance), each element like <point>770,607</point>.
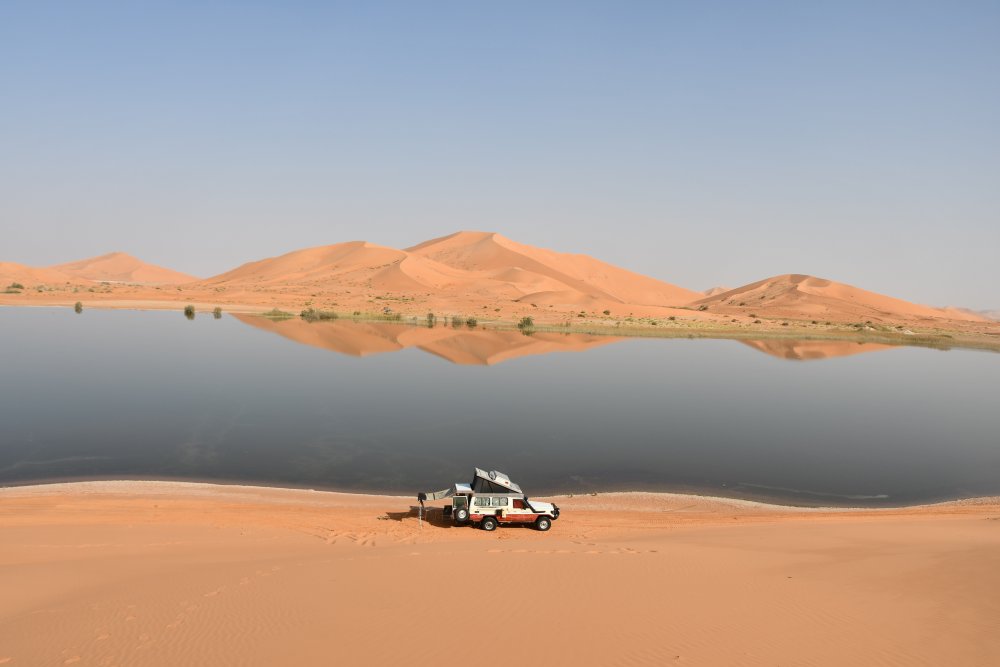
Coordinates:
<point>4,661</point>
<point>212,594</point>
<point>70,661</point>
<point>101,637</point>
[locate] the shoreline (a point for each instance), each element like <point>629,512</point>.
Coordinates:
<point>156,486</point>
<point>771,329</point>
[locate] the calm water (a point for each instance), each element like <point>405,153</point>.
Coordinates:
<point>110,395</point>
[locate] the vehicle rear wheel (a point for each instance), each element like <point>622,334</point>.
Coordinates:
<point>543,523</point>
<point>461,515</point>
<point>489,524</point>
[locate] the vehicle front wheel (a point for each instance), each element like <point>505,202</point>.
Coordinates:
<point>489,524</point>
<point>543,523</point>
<point>461,515</point>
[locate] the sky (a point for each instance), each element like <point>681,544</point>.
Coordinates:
<point>702,143</point>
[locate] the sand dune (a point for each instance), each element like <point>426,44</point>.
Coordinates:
<point>491,254</point>
<point>123,268</point>
<point>457,345</point>
<point>21,274</point>
<point>152,573</point>
<point>490,277</point>
<point>802,296</point>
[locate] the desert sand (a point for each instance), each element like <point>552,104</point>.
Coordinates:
<point>497,281</point>
<point>120,267</point>
<point>162,573</point>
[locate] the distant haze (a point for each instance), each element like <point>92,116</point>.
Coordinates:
<point>700,143</point>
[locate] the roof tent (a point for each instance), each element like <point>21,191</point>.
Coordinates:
<point>493,481</point>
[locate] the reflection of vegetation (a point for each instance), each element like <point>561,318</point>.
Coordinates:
<point>456,321</point>
<point>313,315</point>
<point>471,322</point>
<point>78,307</point>
<point>275,314</point>
<point>217,313</point>
<point>189,311</point>
<point>431,320</point>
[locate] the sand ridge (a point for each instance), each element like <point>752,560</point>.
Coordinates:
<point>122,268</point>
<point>487,276</point>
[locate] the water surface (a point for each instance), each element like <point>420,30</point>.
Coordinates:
<point>125,394</point>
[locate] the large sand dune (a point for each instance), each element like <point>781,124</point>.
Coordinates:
<point>122,268</point>
<point>490,277</point>
<point>147,573</point>
<point>803,296</point>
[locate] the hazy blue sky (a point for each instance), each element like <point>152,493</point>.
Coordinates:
<point>703,143</point>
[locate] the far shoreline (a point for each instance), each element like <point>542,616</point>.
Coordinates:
<point>773,329</point>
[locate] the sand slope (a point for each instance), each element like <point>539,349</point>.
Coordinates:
<point>542,271</point>
<point>803,296</point>
<point>123,268</point>
<point>152,574</point>
<point>11,272</point>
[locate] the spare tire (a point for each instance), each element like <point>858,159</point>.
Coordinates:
<point>461,515</point>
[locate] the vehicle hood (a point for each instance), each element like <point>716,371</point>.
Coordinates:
<point>539,506</point>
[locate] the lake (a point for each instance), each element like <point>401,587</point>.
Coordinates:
<point>388,407</point>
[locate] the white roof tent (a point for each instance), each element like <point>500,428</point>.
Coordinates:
<point>494,482</point>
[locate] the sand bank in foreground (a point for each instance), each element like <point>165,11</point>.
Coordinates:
<point>151,573</point>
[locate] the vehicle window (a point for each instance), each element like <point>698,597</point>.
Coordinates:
<point>481,501</point>
<point>518,504</point>
<point>499,502</point>
<point>461,501</point>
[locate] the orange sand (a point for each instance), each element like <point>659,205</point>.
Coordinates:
<point>486,276</point>
<point>150,573</point>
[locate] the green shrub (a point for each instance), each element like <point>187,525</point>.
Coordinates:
<point>276,314</point>
<point>15,286</point>
<point>78,307</point>
<point>313,315</point>
<point>431,319</point>
<point>217,313</point>
<point>456,321</point>
<point>607,312</point>
<point>189,311</point>
<point>471,322</point>
<point>526,323</point>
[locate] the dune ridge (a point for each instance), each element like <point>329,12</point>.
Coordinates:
<point>122,268</point>
<point>492,278</point>
<point>797,295</point>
